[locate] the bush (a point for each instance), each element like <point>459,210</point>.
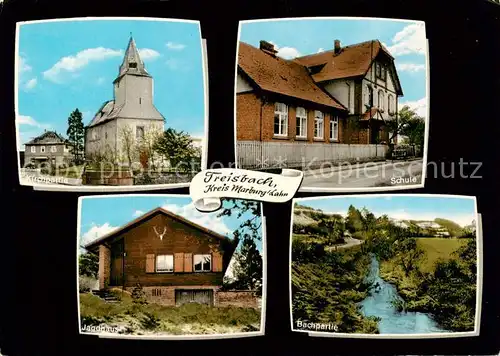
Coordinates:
<point>86,284</point>
<point>150,321</point>
<point>138,295</point>
<point>30,166</point>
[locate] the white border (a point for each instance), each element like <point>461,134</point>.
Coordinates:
<point>103,188</point>
<point>261,332</point>
<point>437,335</point>
<point>333,190</point>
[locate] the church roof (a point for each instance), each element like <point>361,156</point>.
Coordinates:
<point>47,138</point>
<point>106,112</point>
<point>132,63</point>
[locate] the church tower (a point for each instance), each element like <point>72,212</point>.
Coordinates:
<point>133,87</point>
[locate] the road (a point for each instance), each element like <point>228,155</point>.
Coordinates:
<point>349,242</point>
<point>369,175</point>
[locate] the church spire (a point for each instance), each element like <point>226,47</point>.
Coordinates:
<point>132,63</point>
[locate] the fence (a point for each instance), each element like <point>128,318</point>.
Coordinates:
<point>261,155</point>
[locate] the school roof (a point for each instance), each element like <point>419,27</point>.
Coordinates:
<point>146,216</point>
<point>277,75</point>
<point>47,138</point>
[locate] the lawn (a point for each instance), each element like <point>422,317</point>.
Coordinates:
<point>309,238</point>
<point>142,319</point>
<point>437,248</point>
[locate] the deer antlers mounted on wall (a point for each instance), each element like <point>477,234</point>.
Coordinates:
<point>162,234</point>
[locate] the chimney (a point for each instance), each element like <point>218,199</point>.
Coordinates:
<point>268,48</point>
<point>337,46</point>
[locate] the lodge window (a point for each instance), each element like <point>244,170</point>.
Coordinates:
<point>202,263</point>
<point>280,119</point>
<point>53,149</point>
<point>301,118</point>
<point>139,132</point>
<point>334,128</point>
<point>381,100</point>
<point>319,125</point>
<point>42,149</point>
<point>33,149</point>
<point>164,263</point>
<point>156,292</point>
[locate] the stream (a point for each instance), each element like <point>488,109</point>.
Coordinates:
<point>379,303</point>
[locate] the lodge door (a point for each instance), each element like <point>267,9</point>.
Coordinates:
<point>117,272</point>
<point>201,296</point>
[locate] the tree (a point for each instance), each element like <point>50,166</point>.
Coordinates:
<point>250,227</point>
<point>88,265</point>
<point>145,146</point>
<point>408,255</point>
<point>334,230</point>
<point>177,147</point>
<point>408,124</point>
<point>247,269</point>
<point>76,134</point>
<point>128,143</point>
<point>353,221</point>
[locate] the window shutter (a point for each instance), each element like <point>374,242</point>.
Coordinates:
<point>179,262</point>
<point>188,262</point>
<point>150,263</point>
<point>216,262</point>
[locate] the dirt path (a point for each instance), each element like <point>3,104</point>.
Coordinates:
<point>350,242</point>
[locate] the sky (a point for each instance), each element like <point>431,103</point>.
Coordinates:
<point>99,216</point>
<point>405,40</point>
<point>64,65</point>
<point>401,207</point>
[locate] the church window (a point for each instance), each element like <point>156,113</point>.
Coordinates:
<point>139,132</point>
<point>140,100</point>
<point>133,65</point>
<point>106,135</point>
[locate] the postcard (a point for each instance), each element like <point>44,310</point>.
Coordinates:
<point>345,100</point>
<point>386,266</point>
<point>110,103</point>
<point>153,266</point>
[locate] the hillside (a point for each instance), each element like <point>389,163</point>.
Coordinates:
<point>453,228</point>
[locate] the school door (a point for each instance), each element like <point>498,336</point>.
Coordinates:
<point>201,296</point>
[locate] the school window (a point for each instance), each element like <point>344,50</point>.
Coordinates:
<point>33,149</point>
<point>377,70</point>
<point>164,263</point>
<point>280,119</point>
<point>370,96</point>
<point>139,132</point>
<point>381,100</point>
<point>202,263</point>
<point>318,125</point>
<point>301,118</point>
<point>384,72</point>
<point>53,149</point>
<point>42,149</point>
<point>334,128</point>
<point>390,107</point>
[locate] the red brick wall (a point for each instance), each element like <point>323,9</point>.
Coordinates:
<point>248,117</point>
<point>104,266</point>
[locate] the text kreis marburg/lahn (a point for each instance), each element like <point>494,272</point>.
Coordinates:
<point>218,182</point>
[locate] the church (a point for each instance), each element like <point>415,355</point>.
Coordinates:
<point>120,124</point>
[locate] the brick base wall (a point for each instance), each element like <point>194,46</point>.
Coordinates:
<point>243,299</point>
<point>166,295</point>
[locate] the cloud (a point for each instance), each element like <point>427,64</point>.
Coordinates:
<point>208,220</point>
<point>320,50</point>
<point>410,39</point>
<point>286,52</point>
<point>148,54</point>
<point>23,67</point>
<point>95,232</point>
<point>175,46</point>
<point>73,63</point>
<point>30,84</point>
<point>419,106</point>
<point>138,213</point>
<point>410,67</point>
<point>29,121</point>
